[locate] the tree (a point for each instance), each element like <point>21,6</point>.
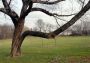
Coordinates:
<point>40,24</point>
<point>43,27</point>
<point>18,21</point>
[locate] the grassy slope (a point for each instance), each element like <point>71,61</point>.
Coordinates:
<point>38,50</point>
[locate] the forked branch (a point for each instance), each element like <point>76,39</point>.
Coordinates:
<point>26,8</point>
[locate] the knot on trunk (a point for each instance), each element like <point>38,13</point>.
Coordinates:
<point>51,35</point>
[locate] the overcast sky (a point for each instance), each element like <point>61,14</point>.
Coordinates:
<point>65,7</point>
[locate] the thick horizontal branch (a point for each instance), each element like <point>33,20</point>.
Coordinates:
<point>49,13</point>
<point>35,33</point>
<point>47,2</point>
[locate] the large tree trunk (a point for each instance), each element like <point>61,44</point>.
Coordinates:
<point>16,38</point>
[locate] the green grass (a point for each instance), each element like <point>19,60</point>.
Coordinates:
<point>38,50</point>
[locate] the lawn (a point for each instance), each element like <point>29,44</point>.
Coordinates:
<point>59,50</point>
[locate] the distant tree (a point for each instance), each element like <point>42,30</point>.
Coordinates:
<point>43,27</point>
<point>40,25</point>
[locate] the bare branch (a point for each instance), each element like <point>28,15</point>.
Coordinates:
<point>81,1</point>
<point>3,10</point>
<point>61,19</point>
<point>47,2</point>
<point>35,33</point>
<point>50,14</point>
<point>56,20</point>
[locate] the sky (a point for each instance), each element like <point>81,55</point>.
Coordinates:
<point>65,7</point>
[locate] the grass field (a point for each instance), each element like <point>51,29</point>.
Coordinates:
<point>38,50</point>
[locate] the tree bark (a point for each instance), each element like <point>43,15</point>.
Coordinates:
<point>16,38</point>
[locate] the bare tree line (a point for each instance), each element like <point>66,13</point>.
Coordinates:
<point>6,31</point>
<point>78,30</point>
<point>81,29</point>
